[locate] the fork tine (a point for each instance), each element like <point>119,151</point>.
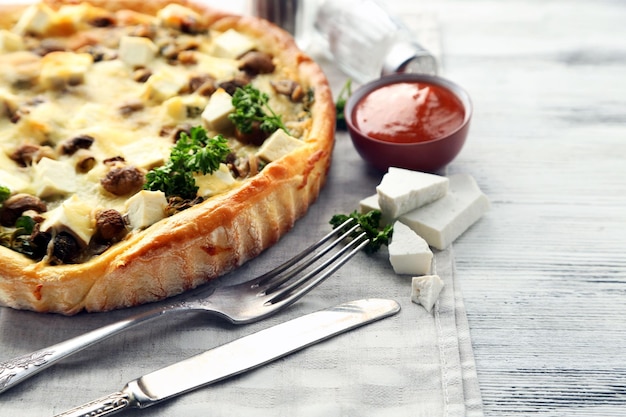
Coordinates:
<point>287,295</point>
<point>310,251</point>
<point>271,284</point>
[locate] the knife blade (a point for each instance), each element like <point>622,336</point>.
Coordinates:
<point>238,356</point>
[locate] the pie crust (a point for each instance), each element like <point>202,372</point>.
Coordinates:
<point>205,241</point>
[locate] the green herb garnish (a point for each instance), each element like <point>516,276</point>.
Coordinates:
<point>193,153</point>
<point>340,104</point>
<point>370,224</point>
<point>4,193</point>
<point>251,105</point>
<point>18,237</point>
<point>25,225</point>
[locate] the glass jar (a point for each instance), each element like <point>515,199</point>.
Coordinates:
<point>366,41</point>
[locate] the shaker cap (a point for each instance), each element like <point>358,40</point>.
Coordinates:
<point>410,57</point>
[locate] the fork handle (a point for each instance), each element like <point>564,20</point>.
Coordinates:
<point>16,370</point>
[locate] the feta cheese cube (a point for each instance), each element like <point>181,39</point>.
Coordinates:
<point>278,145</point>
<point>15,181</point>
<point>403,190</point>
<point>144,154</point>
<point>36,19</point>
<point>73,216</point>
<point>8,103</point>
<point>74,12</point>
<point>69,17</point>
<point>145,208</point>
<point>444,220</point>
<point>175,108</point>
<point>425,290</point>
<point>60,69</point>
<point>232,44</point>
<point>183,107</point>
<point>216,112</point>
<point>53,177</point>
<point>218,68</point>
<point>164,84</point>
<point>137,51</point>
<point>20,68</point>
<point>408,253</point>
<point>10,42</point>
<point>217,182</point>
<point>176,16</point>
<point>371,203</point>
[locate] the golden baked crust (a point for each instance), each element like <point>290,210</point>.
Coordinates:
<point>205,241</point>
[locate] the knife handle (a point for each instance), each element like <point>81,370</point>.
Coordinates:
<point>105,406</point>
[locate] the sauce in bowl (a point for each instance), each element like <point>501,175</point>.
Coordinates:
<point>412,121</point>
<point>409,112</point>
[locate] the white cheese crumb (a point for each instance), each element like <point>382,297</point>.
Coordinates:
<point>137,51</point>
<point>144,153</point>
<point>145,208</point>
<point>60,69</point>
<point>408,253</point>
<point>36,19</point>
<point>425,290</point>
<point>444,220</point>
<point>278,145</point>
<point>175,15</point>
<point>15,181</point>
<point>403,190</point>
<point>164,84</point>
<point>73,15</point>
<point>371,203</point>
<point>10,42</point>
<point>75,216</point>
<point>8,103</point>
<point>217,182</point>
<point>53,177</point>
<point>232,44</point>
<point>218,68</point>
<point>183,107</point>
<point>216,112</point>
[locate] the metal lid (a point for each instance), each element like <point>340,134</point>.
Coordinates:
<point>409,57</point>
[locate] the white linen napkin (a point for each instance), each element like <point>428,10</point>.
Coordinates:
<point>413,364</point>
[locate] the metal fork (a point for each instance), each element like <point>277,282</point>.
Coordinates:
<point>241,303</point>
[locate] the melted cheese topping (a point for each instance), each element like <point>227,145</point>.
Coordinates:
<point>123,80</point>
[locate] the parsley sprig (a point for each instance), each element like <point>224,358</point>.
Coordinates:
<point>370,224</point>
<point>252,105</point>
<point>193,153</point>
<point>340,104</point>
<point>5,193</point>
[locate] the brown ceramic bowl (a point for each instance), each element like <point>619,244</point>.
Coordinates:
<point>428,156</point>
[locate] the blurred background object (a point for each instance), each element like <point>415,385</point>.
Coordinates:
<point>365,40</point>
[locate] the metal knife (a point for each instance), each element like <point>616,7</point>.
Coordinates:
<point>239,356</point>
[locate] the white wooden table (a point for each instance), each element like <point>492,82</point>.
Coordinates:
<point>544,273</point>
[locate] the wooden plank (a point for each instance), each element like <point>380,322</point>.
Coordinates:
<point>543,274</point>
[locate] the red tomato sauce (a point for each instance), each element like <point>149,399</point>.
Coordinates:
<point>409,112</point>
